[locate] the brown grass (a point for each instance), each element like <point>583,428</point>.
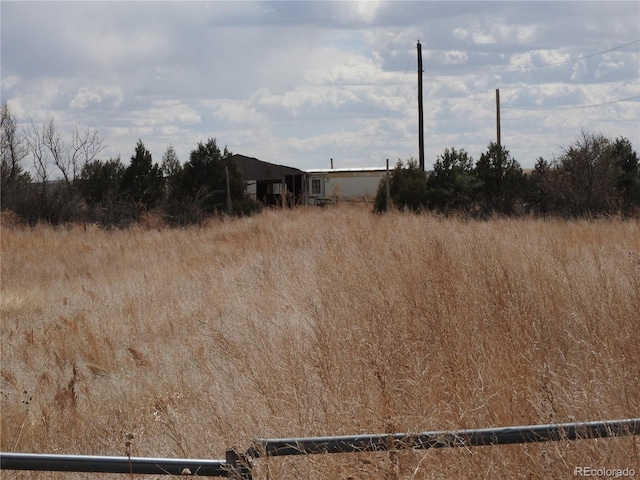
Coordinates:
<point>322,322</point>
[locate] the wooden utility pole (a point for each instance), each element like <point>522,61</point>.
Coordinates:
<point>420,112</point>
<point>388,188</point>
<point>498,116</point>
<point>229,204</point>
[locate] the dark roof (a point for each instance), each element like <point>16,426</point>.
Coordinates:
<point>254,169</point>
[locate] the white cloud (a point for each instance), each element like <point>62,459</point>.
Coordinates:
<point>304,99</point>
<point>163,113</point>
<point>359,11</point>
<point>119,48</point>
<point>538,57</point>
<point>84,97</point>
<point>237,112</point>
<point>9,82</point>
<point>301,82</point>
<point>607,68</point>
<point>455,57</point>
<point>96,95</point>
<point>331,67</point>
<point>520,34</point>
<point>475,35</point>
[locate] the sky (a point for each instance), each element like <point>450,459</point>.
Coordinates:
<point>298,83</point>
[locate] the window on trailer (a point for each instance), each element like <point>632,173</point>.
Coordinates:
<point>316,186</point>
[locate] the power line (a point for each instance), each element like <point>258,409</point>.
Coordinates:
<point>575,107</point>
<point>516,67</point>
<point>399,121</point>
<point>385,116</point>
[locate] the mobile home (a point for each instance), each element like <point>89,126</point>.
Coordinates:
<point>330,185</point>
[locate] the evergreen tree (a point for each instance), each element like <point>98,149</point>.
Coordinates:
<point>142,181</point>
<point>203,182</point>
<point>452,183</point>
<point>172,171</point>
<point>99,186</point>
<point>100,181</point>
<point>540,192</point>
<point>627,174</point>
<point>408,188</point>
<point>501,180</point>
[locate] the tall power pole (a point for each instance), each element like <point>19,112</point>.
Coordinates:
<point>498,135</point>
<point>420,112</point>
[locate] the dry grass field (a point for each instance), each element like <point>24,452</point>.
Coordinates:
<point>316,322</point>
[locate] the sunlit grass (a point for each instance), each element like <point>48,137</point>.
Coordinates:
<point>323,322</point>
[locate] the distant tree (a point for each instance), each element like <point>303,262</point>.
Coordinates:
<point>627,174</point>
<point>203,185</point>
<point>100,181</point>
<point>589,175</point>
<point>501,180</point>
<point>14,181</point>
<point>176,208</point>
<point>542,193</point>
<point>85,145</point>
<point>408,188</point>
<point>67,158</point>
<point>452,183</point>
<point>57,160</point>
<point>380,204</point>
<point>171,170</point>
<point>99,185</point>
<point>142,181</point>
<point>51,199</point>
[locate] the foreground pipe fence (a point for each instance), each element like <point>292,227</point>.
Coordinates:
<point>239,465</point>
<point>104,464</point>
<point>459,438</point>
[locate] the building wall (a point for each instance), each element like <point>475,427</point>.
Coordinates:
<point>266,182</point>
<point>251,190</point>
<point>344,184</point>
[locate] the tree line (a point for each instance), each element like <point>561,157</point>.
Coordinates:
<point>68,182</point>
<point>593,176</point>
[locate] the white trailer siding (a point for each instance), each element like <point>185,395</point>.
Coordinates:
<point>347,183</point>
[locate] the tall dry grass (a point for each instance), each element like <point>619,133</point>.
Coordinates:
<point>322,322</point>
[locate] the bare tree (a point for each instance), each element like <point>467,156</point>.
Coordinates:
<point>86,145</point>
<point>13,150</point>
<point>50,153</point>
<point>590,180</point>
<point>56,147</point>
<point>35,138</point>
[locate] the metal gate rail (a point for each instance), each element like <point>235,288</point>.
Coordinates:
<point>271,447</point>
<point>239,465</point>
<point>105,464</point>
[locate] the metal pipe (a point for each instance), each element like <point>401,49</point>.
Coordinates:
<point>461,438</point>
<point>239,466</point>
<point>104,464</point>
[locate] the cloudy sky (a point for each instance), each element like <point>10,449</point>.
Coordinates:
<point>298,83</point>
